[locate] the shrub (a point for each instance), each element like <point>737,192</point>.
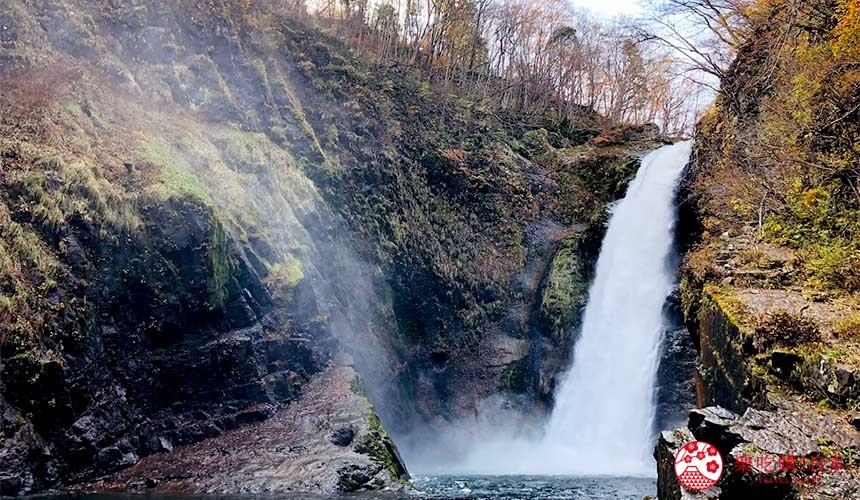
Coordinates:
<point>834,266</point>
<point>848,326</point>
<point>784,328</point>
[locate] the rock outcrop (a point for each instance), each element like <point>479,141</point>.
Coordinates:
<point>769,221</point>
<point>790,451</point>
<point>778,395</point>
<point>328,441</point>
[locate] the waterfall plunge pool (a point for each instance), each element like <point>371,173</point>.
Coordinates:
<point>453,487</point>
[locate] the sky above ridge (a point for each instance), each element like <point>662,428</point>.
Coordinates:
<point>610,7</point>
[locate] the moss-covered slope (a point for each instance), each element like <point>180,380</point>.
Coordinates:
<point>773,239</point>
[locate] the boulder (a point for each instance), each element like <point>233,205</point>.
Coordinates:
<point>328,441</point>
<point>819,453</point>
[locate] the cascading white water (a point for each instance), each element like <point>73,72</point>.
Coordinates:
<point>605,408</point>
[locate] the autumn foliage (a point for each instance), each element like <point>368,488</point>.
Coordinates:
<point>779,154</point>
<point>535,57</point>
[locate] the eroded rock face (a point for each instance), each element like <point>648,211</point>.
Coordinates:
<point>328,441</point>
<point>785,393</point>
<point>774,374</point>
<point>162,363</point>
<point>209,172</point>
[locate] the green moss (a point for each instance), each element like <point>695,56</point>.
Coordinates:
<point>423,90</point>
<point>515,377</point>
<point>729,304</point>
<point>691,295</point>
<point>177,179</point>
<point>379,446</point>
<point>222,264</point>
<point>537,142</point>
<point>357,388</point>
<point>377,443</point>
<point>680,436</point>
<point>565,288</point>
<point>751,449</point>
<point>287,273</point>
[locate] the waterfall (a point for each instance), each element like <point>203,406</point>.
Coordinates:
<point>605,407</point>
<point>603,422</point>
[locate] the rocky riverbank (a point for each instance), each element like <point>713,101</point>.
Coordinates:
<point>328,441</point>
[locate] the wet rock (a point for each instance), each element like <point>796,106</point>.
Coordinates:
<point>355,477</point>
<point>668,486</point>
<point>159,444</point>
<point>162,364</point>
<point>792,430</point>
<point>676,391</point>
<point>114,457</point>
<point>11,486</point>
<point>565,289</point>
<point>28,463</point>
<point>343,436</point>
<point>304,447</point>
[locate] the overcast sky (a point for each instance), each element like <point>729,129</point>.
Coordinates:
<point>610,7</point>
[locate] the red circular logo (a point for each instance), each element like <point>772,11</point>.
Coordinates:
<point>698,465</point>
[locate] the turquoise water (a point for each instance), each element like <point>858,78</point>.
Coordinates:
<point>535,487</point>
<point>455,488</point>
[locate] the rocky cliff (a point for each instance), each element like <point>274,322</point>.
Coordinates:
<point>769,290</point>
<point>211,214</point>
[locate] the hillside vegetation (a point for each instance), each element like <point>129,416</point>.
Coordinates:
<point>770,216</point>
<point>781,141</point>
<point>775,178</point>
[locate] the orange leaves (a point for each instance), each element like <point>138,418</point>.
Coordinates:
<point>846,43</point>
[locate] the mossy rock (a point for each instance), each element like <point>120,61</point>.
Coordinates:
<point>517,377</point>
<point>565,289</point>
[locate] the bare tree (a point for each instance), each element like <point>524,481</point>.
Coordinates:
<point>705,33</point>
<point>541,57</point>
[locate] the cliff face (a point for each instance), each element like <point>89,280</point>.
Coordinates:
<point>770,218</point>
<point>209,212</point>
